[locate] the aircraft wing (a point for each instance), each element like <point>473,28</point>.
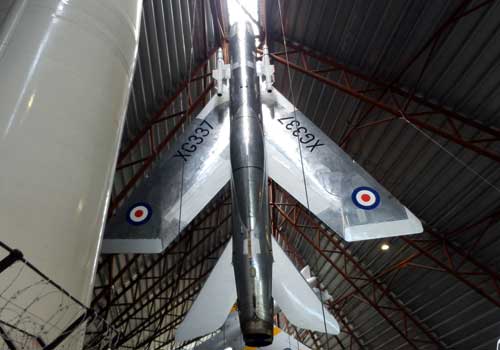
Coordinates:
<point>194,169</point>
<point>291,291</point>
<point>339,192</point>
<point>230,337</point>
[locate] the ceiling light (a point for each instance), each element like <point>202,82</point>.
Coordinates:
<point>385,246</point>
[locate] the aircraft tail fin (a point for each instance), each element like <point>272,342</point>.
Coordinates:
<point>208,313</point>
<point>296,298</point>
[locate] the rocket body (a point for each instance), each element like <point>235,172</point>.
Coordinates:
<point>65,71</point>
<point>252,254</point>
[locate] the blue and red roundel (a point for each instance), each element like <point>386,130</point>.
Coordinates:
<point>139,214</point>
<point>365,198</point>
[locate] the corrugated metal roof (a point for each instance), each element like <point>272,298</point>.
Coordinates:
<point>378,40</point>
<point>166,60</point>
<point>440,181</point>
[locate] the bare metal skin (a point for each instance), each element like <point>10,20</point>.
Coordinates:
<point>252,254</point>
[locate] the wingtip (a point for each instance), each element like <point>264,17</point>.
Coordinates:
<point>415,222</point>
<point>409,226</point>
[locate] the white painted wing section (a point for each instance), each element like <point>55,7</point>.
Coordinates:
<point>296,299</point>
<point>187,177</point>
<point>210,309</point>
<point>339,192</point>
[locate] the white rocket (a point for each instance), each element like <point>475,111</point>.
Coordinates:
<point>66,67</point>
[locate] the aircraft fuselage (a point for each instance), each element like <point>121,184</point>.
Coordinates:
<point>252,254</point>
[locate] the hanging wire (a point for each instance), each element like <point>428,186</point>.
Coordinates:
<point>293,101</point>
<point>300,150</point>
<point>190,72</point>
<point>191,55</point>
<point>460,161</point>
<point>243,8</point>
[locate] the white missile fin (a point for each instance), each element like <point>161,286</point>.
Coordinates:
<point>209,311</point>
<point>312,281</point>
<point>295,297</point>
<point>306,272</point>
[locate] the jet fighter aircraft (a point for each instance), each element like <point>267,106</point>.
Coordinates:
<point>245,134</point>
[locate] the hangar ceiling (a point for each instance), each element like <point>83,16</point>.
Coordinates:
<point>409,89</point>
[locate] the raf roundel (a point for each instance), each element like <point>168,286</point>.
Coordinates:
<point>365,198</point>
<point>139,214</point>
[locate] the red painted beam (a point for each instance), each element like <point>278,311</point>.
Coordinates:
<point>299,214</point>
<point>147,164</point>
<point>399,113</point>
<point>182,87</point>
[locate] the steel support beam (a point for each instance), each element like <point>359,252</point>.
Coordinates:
<point>446,256</point>
<point>393,311</point>
<point>155,295</point>
<point>299,261</point>
<point>147,132</point>
<point>160,286</point>
<point>442,255</point>
<point>401,105</point>
<point>398,103</point>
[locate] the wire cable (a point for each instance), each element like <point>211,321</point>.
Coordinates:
<point>300,148</point>
<point>460,161</point>
<point>293,102</point>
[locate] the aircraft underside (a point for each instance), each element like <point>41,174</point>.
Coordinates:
<point>244,136</point>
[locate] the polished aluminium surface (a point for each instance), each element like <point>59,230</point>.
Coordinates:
<point>331,176</point>
<point>65,71</point>
<point>252,254</point>
<point>190,173</point>
<point>5,7</point>
<point>230,337</point>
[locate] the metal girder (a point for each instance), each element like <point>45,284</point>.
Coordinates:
<point>459,262</point>
<point>299,261</point>
<point>147,132</point>
<point>191,289</point>
<point>153,294</point>
<point>398,106</point>
<point>443,255</point>
<point>401,317</point>
<point>105,297</point>
<point>397,103</point>
<point>392,310</point>
<point>146,299</point>
<point>439,251</point>
<point>346,328</point>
